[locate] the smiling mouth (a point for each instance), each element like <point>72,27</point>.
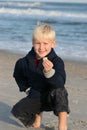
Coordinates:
<point>41,52</point>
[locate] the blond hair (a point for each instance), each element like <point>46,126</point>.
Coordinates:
<point>45,31</point>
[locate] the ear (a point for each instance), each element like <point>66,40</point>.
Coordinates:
<point>53,44</point>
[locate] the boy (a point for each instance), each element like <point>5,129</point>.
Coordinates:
<point>43,72</point>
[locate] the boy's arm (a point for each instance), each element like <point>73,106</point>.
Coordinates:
<point>56,76</point>
<point>18,74</point>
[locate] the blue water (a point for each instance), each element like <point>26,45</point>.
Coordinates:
<point>18,19</point>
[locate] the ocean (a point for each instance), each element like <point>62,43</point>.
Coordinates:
<point>19,18</point>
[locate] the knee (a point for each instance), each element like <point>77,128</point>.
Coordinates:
<point>15,111</point>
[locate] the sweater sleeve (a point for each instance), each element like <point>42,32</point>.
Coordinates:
<point>18,74</point>
<point>57,80</point>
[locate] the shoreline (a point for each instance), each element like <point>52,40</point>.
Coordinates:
<point>64,58</point>
<point>9,94</point>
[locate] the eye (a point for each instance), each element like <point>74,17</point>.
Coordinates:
<point>37,42</point>
<point>45,43</point>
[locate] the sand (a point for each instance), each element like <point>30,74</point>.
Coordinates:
<point>9,94</point>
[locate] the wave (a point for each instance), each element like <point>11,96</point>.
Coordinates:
<point>40,12</point>
<point>20,4</point>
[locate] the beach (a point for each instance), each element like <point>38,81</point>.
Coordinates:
<point>9,94</point>
<point>69,20</point>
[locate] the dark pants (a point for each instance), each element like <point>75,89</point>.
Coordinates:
<point>55,100</point>
<point>26,109</point>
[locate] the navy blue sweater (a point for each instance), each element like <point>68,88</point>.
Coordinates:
<point>28,75</point>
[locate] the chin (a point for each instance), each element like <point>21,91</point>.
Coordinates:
<point>41,57</point>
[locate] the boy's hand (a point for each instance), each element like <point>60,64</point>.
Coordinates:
<point>47,64</point>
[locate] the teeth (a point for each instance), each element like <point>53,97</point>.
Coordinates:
<point>45,58</point>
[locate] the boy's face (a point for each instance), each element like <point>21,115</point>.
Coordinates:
<point>42,47</point>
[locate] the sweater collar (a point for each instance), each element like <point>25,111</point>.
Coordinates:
<point>32,53</point>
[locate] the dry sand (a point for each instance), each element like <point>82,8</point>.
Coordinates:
<point>9,94</point>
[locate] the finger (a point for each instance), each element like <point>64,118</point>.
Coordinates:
<point>46,63</point>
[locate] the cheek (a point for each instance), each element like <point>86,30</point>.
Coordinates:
<point>35,46</point>
<point>48,47</point>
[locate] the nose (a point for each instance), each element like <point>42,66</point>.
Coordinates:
<point>41,46</point>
